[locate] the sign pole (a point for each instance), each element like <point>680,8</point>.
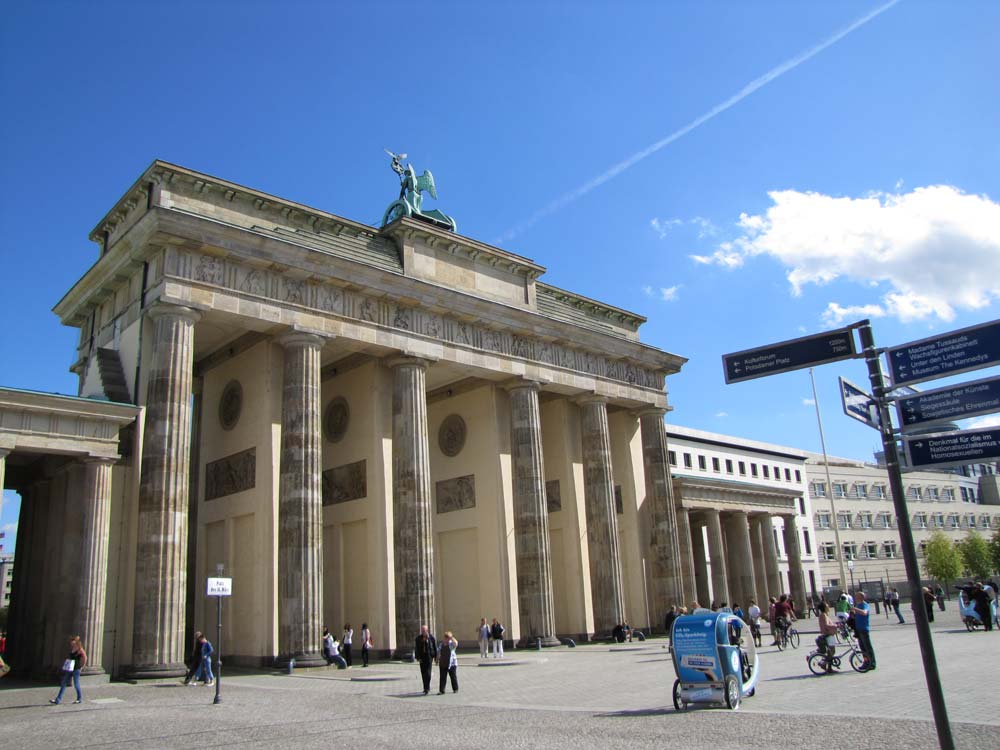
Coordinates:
<point>829,486</point>
<point>945,739</point>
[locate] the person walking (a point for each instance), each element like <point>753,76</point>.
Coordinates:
<point>425,651</point>
<point>346,642</point>
<point>894,601</point>
<point>939,595</point>
<point>448,662</point>
<point>366,643</point>
<point>204,671</point>
<point>862,628</point>
<point>193,659</point>
<point>496,633</point>
<point>74,662</point>
<point>981,603</point>
<point>483,633</point>
<point>929,602</point>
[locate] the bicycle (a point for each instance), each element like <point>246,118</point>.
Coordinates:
<point>819,660</point>
<point>788,636</point>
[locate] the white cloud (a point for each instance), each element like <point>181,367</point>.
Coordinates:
<point>705,227</point>
<point>808,402</point>
<point>647,290</point>
<point>933,250</point>
<point>663,226</point>
<point>981,423</point>
<point>722,414</point>
<point>669,294</point>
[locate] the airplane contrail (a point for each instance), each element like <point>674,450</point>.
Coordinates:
<point>718,109</point>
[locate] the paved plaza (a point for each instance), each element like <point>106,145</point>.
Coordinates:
<point>594,696</point>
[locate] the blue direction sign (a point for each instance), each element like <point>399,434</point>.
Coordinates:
<point>784,356</point>
<point>948,404</point>
<point>859,404</point>
<point>953,353</point>
<point>954,448</point>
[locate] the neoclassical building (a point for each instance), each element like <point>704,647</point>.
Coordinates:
<point>394,426</point>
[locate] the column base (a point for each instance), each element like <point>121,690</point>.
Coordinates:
<point>313,659</point>
<point>155,671</point>
<point>404,654</point>
<point>531,641</point>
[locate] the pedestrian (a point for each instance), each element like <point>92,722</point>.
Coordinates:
<point>193,659</point>
<point>448,662</point>
<point>204,671</point>
<point>346,642</point>
<point>74,662</point>
<point>483,634</point>
<point>496,633</point>
<point>425,651</point>
<point>329,644</point>
<point>887,602</point>
<point>981,602</point>
<point>862,628</point>
<point>939,595</point>
<point>366,643</point>
<point>894,601</point>
<point>929,602</point>
<point>668,621</point>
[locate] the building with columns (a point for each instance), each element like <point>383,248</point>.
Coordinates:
<point>744,518</point>
<point>394,426</point>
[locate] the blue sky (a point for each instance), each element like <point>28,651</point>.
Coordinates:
<point>800,165</point>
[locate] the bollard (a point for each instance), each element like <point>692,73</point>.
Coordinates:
<point>291,665</point>
<point>538,644</point>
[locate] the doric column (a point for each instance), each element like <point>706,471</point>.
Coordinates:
<point>411,502</point>
<point>161,546</point>
<point>741,571</point>
<point>665,552</point>
<point>34,632</point>
<point>93,571</point>
<point>300,504</point>
<point>531,518</point>
<point>700,554</point>
<point>61,550</point>
<point>602,522</point>
<point>774,587</point>
<point>716,551</point>
<point>757,553</point>
<point>794,552</point>
<point>686,547</point>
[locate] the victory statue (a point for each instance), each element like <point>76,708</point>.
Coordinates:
<point>411,199</point>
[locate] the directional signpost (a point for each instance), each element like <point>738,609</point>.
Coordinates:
<point>859,404</point>
<point>789,355</point>
<point>948,404</point>
<point>950,354</point>
<point>954,448</point>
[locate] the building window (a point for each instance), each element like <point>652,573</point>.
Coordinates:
<point>984,521</point>
<point>802,506</point>
<point>914,493</point>
<point>882,520</point>
<point>953,521</point>
<point>922,550</point>
<point>743,469</point>
<point>806,542</point>
<point>687,461</point>
<point>844,520</point>
<point>861,489</point>
<point>729,466</point>
<point>672,458</point>
<point>866,519</point>
<point>870,550</point>
<point>947,495</point>
<point>827,551</point>
<point>965,494</point>
<point>879,491</point>
<point>932,493</point>
<point>788,475</point>
<point>822,520</point>
<point>716,466</point>
<point>753,470</point>
<point>840,489</point>
<point>920,521</point>
<point>850,551</point>
<point>702,463</point>
<point>767,471</point>
<point>798,475</point>
<point>777,473</point>
<point>819,489</point>
<point>972,521</point>
<point>889,549</point>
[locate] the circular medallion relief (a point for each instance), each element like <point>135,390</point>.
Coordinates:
<point>451,435</point>
<point>231,404</point>
<point>336,418</point>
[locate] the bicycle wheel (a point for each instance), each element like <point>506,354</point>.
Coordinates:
<point>782,642</point>
<point>858,661</point>
<point>816,662</point>
<point>793,638</point>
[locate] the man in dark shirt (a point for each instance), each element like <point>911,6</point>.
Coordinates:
<point>782,616</point>
<point>425,651</point>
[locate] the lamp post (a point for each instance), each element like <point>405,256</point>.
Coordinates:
<point>850,567</point>
<point>219,569</point>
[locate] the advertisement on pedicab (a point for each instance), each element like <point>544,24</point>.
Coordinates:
<point>696,651</point>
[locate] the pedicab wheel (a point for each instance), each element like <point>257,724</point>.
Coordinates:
<point>817,663</point>
<point>678,703</point>
<point>732,693</point>
<point>793,638</point>
<point>858,662</point>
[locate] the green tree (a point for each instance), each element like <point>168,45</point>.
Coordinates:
<point>941,560</point>
<point>995,550</point>
<point>975,552</point>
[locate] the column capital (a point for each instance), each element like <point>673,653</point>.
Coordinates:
<point>294,339</point>
<point>161,309</point>
<point>101,460</point>
<point>408,360</point>
<point>590,398</point>
<point>650,411</point>
<point>515,384</point>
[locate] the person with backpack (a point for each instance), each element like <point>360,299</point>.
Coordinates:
<point>496,633</point>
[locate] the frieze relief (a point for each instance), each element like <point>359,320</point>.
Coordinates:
<point>456,494</point>
<point>342,484</point>
<point>329,298</point>
<point>232,474</point>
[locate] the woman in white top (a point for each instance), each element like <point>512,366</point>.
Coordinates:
<point>346,643</point>
<point>366,642</point>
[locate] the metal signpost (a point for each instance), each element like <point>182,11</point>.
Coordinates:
<point>954,448</point>
<point>789,355</point>
<point>947,404</point>
<point>859,404</point>
<point>953,353</point>
<point>219,587</point>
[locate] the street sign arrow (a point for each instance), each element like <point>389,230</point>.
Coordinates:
<point>785,356</point>
<point>951,403</point>
<point>954,448</point>
<point>859,404</point>
<point>960,351</point>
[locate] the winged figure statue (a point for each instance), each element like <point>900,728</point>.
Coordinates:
<point>411,190</point>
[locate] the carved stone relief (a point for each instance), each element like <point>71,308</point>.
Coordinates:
<point>456,494</point>
<point>232,474</point>
<point>344,483</point>
<point>336,419</point>
<point>231,404</point>
<point>451,435</point>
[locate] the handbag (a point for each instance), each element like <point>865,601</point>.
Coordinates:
<point>69,665</point>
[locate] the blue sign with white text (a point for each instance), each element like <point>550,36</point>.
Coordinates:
<point>953,353</point>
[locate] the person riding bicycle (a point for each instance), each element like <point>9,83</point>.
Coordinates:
<point>827,638</point>
<point>783,617</point>
<point>843,608</point>
<point>753,619</point>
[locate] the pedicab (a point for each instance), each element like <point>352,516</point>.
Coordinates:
<point>715,659</point>
<point>967,610</point>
